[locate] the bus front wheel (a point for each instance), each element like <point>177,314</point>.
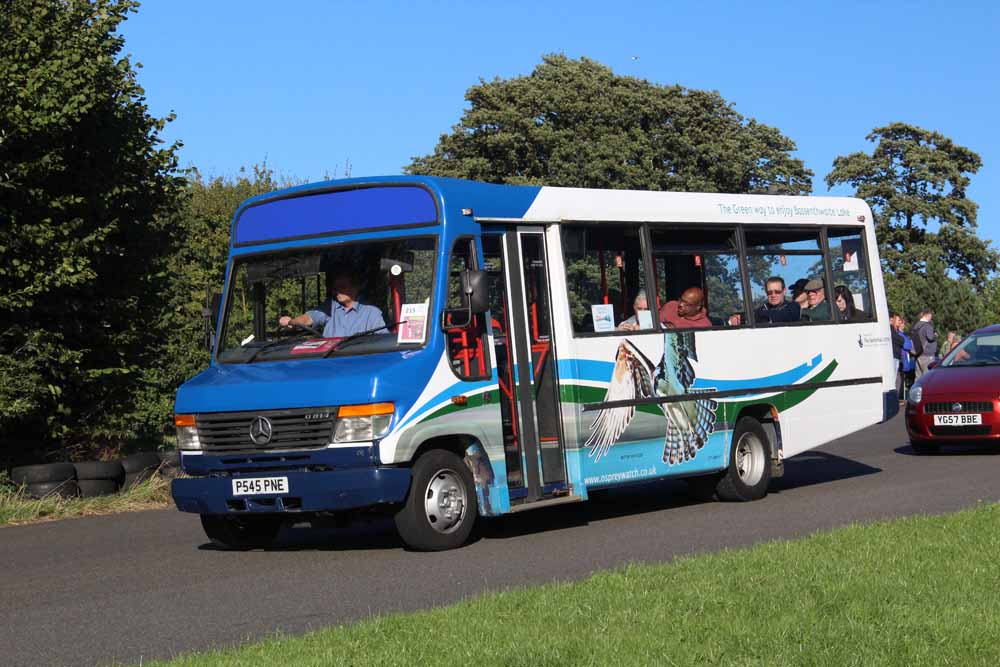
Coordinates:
<point>749,471</point>
<point>441,506</point>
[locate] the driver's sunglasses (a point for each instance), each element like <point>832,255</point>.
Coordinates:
<point>775,291</point>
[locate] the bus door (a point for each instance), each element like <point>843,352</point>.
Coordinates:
<point>526,363</point>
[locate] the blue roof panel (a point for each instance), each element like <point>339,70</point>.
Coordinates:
<point>336,212</point>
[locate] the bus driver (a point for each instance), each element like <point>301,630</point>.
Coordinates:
<point>343,315</point>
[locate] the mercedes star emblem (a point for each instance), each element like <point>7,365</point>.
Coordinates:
<point>260,430</point>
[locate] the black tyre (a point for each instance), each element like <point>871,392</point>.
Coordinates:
<point>100,470</point>
<point>91,488</point>
<point>441,507</point>
<point>922,448</point>
<point>140,462</point>
<point>135,478</point>
<point>241,532</point>
<point>170,463</point>
<point>65,489</point>
<point>749,471</point>
<point>48,472</point>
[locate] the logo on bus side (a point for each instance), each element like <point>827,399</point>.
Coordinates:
<point>634,377</point>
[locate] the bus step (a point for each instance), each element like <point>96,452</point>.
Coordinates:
<point>545,502</point>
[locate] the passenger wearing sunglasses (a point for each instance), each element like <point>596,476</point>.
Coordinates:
<point>777,308</point>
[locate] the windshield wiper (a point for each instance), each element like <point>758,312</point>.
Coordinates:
<point>275,342</point>
<point>976,363</point>
<point>361,334</point>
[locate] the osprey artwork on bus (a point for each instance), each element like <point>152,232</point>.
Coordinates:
<point>436,350</point>
<point>688,423</point>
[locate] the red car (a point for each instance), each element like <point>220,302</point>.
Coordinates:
<point>957,400</point>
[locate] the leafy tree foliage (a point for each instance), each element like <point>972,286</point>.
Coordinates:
<point>915,181</point>
<point>84,188</point>
<point>197,268</point>
<point>575,123</point>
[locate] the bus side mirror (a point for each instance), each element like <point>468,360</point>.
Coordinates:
<point>476,296</point>
<point>474,286</point>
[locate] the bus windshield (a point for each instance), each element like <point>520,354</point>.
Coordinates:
<point>349,292</point>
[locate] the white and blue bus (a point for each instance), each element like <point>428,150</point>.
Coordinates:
<point>532,344</point>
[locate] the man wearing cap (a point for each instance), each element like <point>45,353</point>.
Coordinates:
<point>817,310</point>
<point>799,293</point>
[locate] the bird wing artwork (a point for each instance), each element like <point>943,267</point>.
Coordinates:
<point>689,423</point>
<point>631,378</point>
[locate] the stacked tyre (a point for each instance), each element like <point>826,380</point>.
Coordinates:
<point>99,478</point>
<point>50,479</point>
<point>139,467</point>
<point>170,463</point>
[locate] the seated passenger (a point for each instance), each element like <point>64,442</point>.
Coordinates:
<point>688,312</point>
<point>799,295</point>
<point>818,309</point>
<point>343,315</point>
<point>777,308</point>
<point>639,305</point>
<point>846,310</point>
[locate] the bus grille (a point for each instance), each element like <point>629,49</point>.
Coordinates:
<point>945,407</point>
<point>229,432</point>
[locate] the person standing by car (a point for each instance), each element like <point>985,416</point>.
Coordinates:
<point>924,341</point>
<point>908,363</point>
<point>896,336</point>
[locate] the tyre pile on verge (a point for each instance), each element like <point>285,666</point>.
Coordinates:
<point>93,478</point>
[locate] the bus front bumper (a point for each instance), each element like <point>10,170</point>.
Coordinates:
<point>307,491</point>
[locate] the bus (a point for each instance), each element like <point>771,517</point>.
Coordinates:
<point>503,348</point>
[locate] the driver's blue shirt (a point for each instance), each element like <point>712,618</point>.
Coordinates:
<point>338,322</point>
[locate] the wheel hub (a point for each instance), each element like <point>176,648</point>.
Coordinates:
<point>750,459</point>
<point>445,501</point>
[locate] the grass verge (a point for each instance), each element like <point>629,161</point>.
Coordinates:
<point>919,591</point>
<point>17,507</point>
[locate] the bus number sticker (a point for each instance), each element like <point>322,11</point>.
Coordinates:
<point>413,320</point>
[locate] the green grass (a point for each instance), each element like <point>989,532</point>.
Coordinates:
<point>919,591</point>
<point>17,507</point>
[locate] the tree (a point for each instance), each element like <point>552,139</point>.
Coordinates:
<point>576,123</point>
<point>85,193</point>
<point>915,182</point>
<point>196,268</point>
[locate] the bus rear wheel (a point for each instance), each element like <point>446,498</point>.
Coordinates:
<point>241,532</point>
<point>441,507</point>
<point>749,471</point>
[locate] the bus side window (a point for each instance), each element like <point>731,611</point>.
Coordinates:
<point>790,254</point>
<point>705,258</point>
<point>466,336</point>
<point>849,268</point>
<point>604,276</point>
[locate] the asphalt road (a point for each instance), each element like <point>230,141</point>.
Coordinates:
<point>146,585</point>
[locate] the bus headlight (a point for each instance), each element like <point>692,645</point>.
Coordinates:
<point>357,423</point>
<point>187,433</point>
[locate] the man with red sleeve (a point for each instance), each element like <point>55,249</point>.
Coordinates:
<point>688,312</point>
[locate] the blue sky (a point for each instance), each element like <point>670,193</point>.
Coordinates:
<point>311,86</point>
